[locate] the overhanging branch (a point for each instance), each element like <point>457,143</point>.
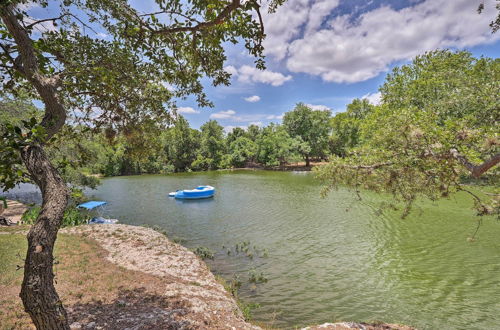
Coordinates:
<point>476,170</point>
<point>235,4</point>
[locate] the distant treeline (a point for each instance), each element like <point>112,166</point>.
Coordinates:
<point>304,135</point>
<point>443,83</point>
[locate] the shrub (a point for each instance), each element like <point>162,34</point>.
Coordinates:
<point>72,216</point>
<point>203,252</point>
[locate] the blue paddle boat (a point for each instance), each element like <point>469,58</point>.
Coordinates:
<point>199,192</point>
<point>96,206</point>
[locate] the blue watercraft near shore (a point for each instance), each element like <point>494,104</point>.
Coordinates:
<point>96,206</point>
<point>199,192</point>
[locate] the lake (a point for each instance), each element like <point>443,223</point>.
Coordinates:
<point>326,259</point>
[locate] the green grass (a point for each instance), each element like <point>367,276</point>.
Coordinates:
<point>12,253</point>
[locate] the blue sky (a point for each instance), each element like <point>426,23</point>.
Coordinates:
<point>327,52</point>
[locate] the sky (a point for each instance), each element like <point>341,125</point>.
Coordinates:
<point>325,53</point>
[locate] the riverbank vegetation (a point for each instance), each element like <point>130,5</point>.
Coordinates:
<point>437,127</point>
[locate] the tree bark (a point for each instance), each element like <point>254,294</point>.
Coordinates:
<point>307,161</point>
<point>476,170</point>
<point>38,293</point>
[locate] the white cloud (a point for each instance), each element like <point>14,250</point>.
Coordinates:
<point>256,123</point>
<point>102,35</point>
<point>231,70</point>
<point>229,128</point>
<point>283,26</point>
<point>168,86</point>
<point>277,117</point>
<point>228,114</point>
<point>373,98</point>
<point>318,107</point>
<point>250,119</point>
<point>187,110</point>
<point>27,6</point>
<point>252,99</point>
<point>345,49</point>
<point>250,74</point>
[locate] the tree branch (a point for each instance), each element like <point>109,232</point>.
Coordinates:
<point>235,4</point>
<point>53,19</point>
<point>55,114</point>
<point>476,170</point>
<point>369,167</point>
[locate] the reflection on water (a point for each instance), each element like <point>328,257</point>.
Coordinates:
<point>327,259</point>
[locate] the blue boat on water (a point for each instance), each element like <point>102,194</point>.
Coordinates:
<point>96,206</point>
<point>199,192</point>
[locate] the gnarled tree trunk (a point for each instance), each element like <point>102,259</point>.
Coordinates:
<point>38,293</point>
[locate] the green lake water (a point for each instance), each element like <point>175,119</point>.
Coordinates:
<point>327,259</point>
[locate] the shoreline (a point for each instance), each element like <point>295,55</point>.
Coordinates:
<point>298,167</point>
<point>201,301</point>
<point>192,296</point>
<point>187,278</point>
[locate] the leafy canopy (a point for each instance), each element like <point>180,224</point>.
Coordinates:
<point>311,127</point>
<point>438,118</point>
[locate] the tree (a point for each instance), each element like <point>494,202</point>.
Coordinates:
<point>311,126</point>
<point>103,83</point>
<point>253,132</point>
<point>212,147</point>
<point>242,150</point>
<point>235,134</point>
<point>346,125</point>
<point>14,110</point>
<point>275,145</point>
<point>181,144</point>
<point>437,125</point>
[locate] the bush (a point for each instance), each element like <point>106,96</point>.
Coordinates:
<point>72,216</point>
<point>204,253</point>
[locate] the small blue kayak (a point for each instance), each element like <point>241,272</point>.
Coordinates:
<point>199,192</point>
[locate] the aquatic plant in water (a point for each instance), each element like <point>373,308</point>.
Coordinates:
<point>204,253</point>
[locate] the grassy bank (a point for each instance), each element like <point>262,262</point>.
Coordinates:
<point>89,285</point>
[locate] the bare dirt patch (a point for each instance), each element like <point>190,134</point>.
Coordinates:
<point>14,211</point>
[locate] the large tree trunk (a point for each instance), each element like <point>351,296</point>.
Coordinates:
<point>307,161</point>
<point>38,293</point>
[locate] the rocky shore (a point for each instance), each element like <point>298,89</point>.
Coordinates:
<point>200,301</point>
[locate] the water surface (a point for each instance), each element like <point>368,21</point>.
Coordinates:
<point>327,259</point>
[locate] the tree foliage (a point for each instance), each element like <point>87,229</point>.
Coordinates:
<point>346,126</point>
<point>311,127</point>
<point>438,118</point>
